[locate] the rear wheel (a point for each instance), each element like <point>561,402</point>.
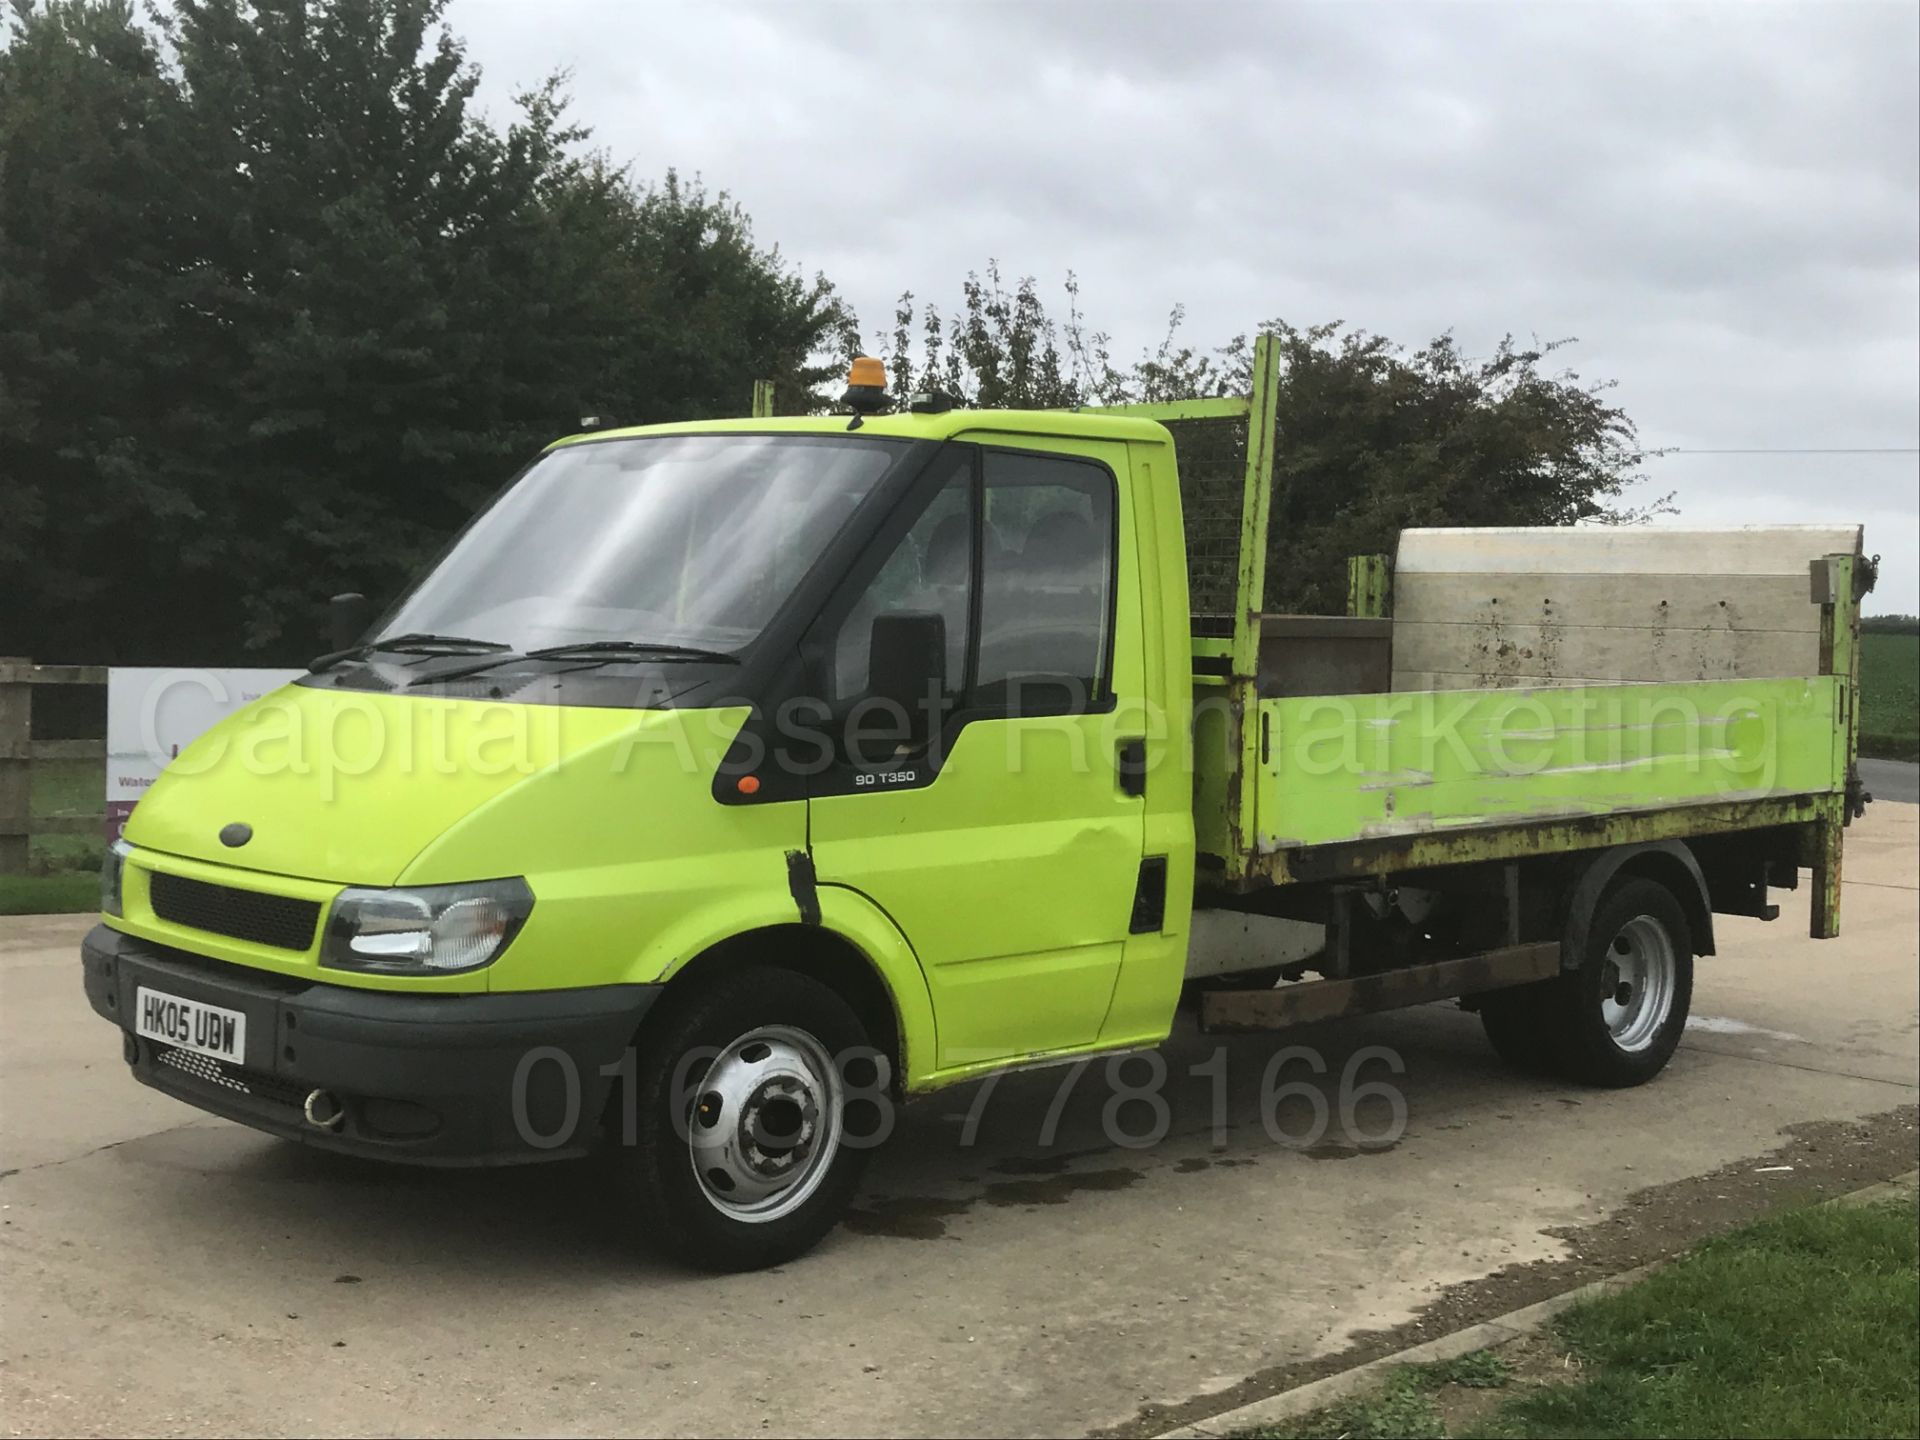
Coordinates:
<point>1619,1017</point>
<point>1515,1026</point>
<point>1616,1019</point>
<point>740,1157</point>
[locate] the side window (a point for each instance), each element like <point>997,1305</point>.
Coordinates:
<point>1046,577</point>
<point>930,570</point>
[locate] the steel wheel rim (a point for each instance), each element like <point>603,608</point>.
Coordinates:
<point>763,1124</point>
<point>1638,978</point>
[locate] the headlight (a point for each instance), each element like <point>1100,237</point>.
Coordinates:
<point>113,871</point>
<point>426,930</point>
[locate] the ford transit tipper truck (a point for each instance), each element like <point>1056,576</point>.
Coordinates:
<point>724,782</point>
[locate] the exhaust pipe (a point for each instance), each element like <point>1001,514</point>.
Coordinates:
<point>323,1112</point>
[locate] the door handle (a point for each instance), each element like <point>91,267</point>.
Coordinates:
<point>1130,765</point>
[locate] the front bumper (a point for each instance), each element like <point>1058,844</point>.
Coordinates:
<point>431,1079</point>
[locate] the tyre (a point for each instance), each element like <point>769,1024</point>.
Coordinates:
<point>739,1156</point>
<point>1515,1025</point>
<point>1618,1018</point>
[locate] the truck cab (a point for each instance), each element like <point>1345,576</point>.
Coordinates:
<point>849,756</point>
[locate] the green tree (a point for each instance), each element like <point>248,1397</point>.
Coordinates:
<point>998,350</point>
<point>352,307</point>
<point>1372,438</point>
<point>1001,348</point>
<point>1894,624</point>
<point>88,249</point>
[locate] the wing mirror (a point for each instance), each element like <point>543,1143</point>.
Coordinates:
<point>348,616</point>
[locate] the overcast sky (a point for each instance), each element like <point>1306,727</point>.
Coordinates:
<point>1721,201</point>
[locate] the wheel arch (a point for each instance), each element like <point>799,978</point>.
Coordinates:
<point>855,949</point>
<point>1668,862</point>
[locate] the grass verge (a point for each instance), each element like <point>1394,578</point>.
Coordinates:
<point>61,892</point>
<point>1890,695</point>
<point>1806,1324</point>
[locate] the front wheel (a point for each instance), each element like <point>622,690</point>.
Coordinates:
<point>740,1156</point>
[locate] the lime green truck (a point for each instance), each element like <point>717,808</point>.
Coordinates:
<point>723,784</point>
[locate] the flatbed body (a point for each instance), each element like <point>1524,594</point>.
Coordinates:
<point>1510,694</point>
<point>1358,784</point>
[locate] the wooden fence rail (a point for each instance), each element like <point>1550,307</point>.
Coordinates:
<point>19,751</point>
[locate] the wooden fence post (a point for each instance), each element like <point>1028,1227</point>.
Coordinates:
<point>19,750</point>
<point>16,762</point>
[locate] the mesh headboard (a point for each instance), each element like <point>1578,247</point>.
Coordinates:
<point>1212,457</point>
<point>1482,608</point>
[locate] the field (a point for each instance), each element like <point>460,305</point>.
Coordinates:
<point>1890,695</point>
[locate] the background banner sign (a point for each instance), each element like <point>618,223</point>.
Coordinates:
<point>153,712</point>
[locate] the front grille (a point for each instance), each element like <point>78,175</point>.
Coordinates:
<point>222,1076</point>
<point>276,920</point>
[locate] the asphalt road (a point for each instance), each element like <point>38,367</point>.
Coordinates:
<point>165,1272</point>
<point>1897,781</point>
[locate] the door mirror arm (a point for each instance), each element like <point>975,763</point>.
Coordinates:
<point>348,616</point>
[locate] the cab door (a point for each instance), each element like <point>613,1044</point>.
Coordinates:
<point>1002,832</point>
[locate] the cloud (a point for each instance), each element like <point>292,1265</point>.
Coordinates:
<point>1722,202</point>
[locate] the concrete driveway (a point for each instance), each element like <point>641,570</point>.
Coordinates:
<point>166,1272</point>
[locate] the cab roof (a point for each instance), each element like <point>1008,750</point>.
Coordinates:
<point>1064,424</point>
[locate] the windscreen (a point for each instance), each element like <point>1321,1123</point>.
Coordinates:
<point>679,539</point>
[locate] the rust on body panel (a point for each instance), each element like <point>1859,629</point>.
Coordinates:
<point>1311,1000</point>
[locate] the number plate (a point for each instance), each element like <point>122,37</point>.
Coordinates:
<point>190,1025</point>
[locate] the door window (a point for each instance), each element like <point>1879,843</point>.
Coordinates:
<point>1044,531</point>
<point>1046,584</point>
<point>929,571</point>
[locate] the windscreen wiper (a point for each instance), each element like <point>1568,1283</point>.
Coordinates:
<point>588,652</point>
<point>417,642</point>
<point>610,650</point>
